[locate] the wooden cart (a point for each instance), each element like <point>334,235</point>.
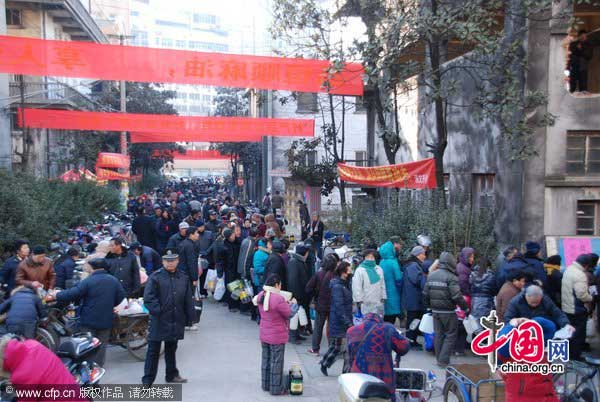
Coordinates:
<point>472,383</point>
<point>131,333</point>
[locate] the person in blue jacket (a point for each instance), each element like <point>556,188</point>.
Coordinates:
<point>9,269</point>
<point>536,271</point>
<point>150,260</point>
<point>24,309</point>
<point>98,295</point>
<point>64,269</point>
<point>413,283</point>
<point>258,263</point>
<point>393,278</point>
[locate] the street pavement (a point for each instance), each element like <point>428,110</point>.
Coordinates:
<point>222,363</point>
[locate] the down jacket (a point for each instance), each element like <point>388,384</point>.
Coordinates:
<point>29,272</point>
<point>518,308</point>
<point>125,268</point>
<point>274,322</point>
<point>442,293</point>
<point>318,287</point>
<point>370,295</point>
<point>483,289</point>
<point>393,278</point>
<point>340,316</point>
<point>24,306</point>
<point>574,290</point>
<point>259,259</point>
<point>463,271</point>
<point>413,282</point>
<point>297,278</point>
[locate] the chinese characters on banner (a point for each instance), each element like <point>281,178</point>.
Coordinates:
<point>111,160</point>
<point>41,57</point>
<point>201,128</point>
<point>107,174</point>
<point>574,247</point>
<point>137,137</point>
<point>417,175</point>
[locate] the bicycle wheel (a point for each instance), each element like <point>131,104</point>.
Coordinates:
<point>454,391</point>
<point>137,339</point>
<point>574,385</point>
<point>45,338</point>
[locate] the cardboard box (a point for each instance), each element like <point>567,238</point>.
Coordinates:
<point>492,391</point>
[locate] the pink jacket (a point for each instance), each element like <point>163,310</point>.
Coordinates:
<point>274,323</point>
<point>33,365</point>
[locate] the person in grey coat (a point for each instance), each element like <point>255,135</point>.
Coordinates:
<point>441,294</point>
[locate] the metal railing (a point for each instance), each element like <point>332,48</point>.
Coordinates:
<point>52,93</point>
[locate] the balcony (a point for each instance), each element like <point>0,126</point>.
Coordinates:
<point>55,95</point>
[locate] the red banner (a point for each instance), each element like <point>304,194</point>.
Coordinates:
<point>418,175</point>
<point>137,137</point>
<point>200,155</point>
<point>111,160</point>
<point>216,129</point>
<point>107,174</point>
<point>41,57</point>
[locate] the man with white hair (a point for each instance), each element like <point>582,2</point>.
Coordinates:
<point>533,303</point>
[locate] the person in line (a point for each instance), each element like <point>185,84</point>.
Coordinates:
<point>64,270</point>
<point>168,297</point>
<point>213,224</point>
<point>261,255</point>
<point>413,282</point>
<point>442,294</point>
<point>205,245</point>
<point>483,289</point>
<point>24,310</point>
<point>266,202</point>
<point>393,278</point>
<point>297,278</point>
<point>316,230</point>
<point>340,316</point>
<point>228,257</point>
<point>577,302</point>
<point>318,287</point>
<point>148,258</point>
<point>533,303</point>
<point>304,219</point>
<point>143,228</point>
<point>370,346</point>
<point>98,295</point>
<point>275,312</point>
<point>193,218</point>
<point>9,269</point>
<point>513,262</point>
<point>123,266</point>
<point>277,202</point>
<point>36,271</point>
<point>275,264</point>
<point>368,285</point>
<point>512,287</point>
<point>176,239</point>
<point>165,228</point>
<point>535,268</point>
<point>188,262</point>
<point>463,270</point>
<point>554,274</point>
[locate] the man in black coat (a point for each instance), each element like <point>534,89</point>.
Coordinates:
<point>123,265</point>
<point>143,227</point>
<point>177,238</point>
<point>64,269</point>
<point>9,269</point>
<point>275,263</point>
<point>99,293</point>
<point>168,297</point>
<point>205,245</point>
<point>229,255</point>
<point>213,223</point>
<point>297,279</point>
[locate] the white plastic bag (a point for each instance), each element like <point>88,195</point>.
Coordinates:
<point>211,280</point>
<point>426,324</point>
<point>302,318</point>
<point>121,306</point>
<point>471,324</point>
<point>294,321</point>
<point>134,307</point>
<point>219,289</point>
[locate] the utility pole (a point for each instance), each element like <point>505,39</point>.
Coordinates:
<point>123,91</point>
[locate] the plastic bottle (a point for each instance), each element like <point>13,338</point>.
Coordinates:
<point>296,379</point>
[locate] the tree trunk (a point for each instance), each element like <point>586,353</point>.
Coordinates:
<point>343,203</point>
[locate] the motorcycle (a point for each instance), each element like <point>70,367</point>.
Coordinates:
<point>74,353</point>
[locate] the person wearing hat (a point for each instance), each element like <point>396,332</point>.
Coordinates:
<point>535,269</point>
<point>297,279</point>
<point>36,271</point>
<point>98,295</point>
<point>193,218</point>
<point>368,285</point>
<point>213,224</point>
<point>276,263</point>
<point>393,278</point>
<point>413,282</point>
<point>147,257</point>
<point>168,297</point>
<point>227,264</point>
<point>177,238</point>
<point>205,244</point>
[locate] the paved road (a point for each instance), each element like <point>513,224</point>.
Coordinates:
<point>222,363</point>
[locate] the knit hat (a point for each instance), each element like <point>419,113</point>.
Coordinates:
<point>184,225</point>
<point>417,250</point>
<point>38,250</point>
<point>532,247</point>
<point>554,260</point>
<point>227,233</point>
<point>278,246</point>
<point>98,263</point>
<point>200,223</point>
<point>301,249</point>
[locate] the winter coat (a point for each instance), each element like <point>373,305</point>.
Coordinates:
<point>276,265</point>
<point>554,283</point>
<point>228,257</point>
<point>98,294</point>
<point>483,289</point>
<point>393,278</point>
<point>125,268</point>
<point>518,308</point>
<point>64,272</point>
<point>188,259</point>
<point>536,270</point>
<point>317,229</point>
<point>164,230</point>
<point>441,292</point>
<point>274,322</point>
<point>175,240</point>
<point>530,387</point>
<point>24,305</point>
<point>150,260</point>
<point>340,315</point>
<point>574,290</point>
<point>413,282</point>
<point>318,287</point>
<point>205,243</point>
<point>258,263</point>
<point>507,292</point>
<point>297,278</point>
<point>168,297</point>
<point>143,228</point>
<point>277,201</point>
<point>29,272</point>
<point>516,264</point>
<point>212,226</point>
<point>246,254</point>
<point>371,296</point>
<point>463,271</point>
<point>9,272</point>
<point>31,364</point>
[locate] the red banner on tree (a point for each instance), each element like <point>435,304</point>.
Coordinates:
<point>201,155</point>
<point>112,160</point>
<point>41,57</point>
<point>418,175</point>
<point>107,174</point>
<point>215,129</point>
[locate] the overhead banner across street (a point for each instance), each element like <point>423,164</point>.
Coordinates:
<point>112,160</point>
<point>415,175</point>
<point>41,57</point>
<point>201,155</point>
<point>176,127</point>
<point>137,137</point>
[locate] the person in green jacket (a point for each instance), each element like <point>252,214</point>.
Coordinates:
<point>393,278</point>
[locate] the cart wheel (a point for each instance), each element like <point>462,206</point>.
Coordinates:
<point>45,338</point>
<point>137,339</point>
<point>454,391</point>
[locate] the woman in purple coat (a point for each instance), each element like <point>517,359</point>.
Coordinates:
<point>463,270</point>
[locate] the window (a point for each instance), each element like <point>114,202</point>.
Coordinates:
<point>167,42</point>
<point>311,158</point>
<point>180,44</point>
<point>195,97</point>
<point>205,19</point>
<point>13,17</point>
<point>135,13</point>
<point>140,38</point>
<point>360,158</point>
<point>483,190</point>
<point>583,153</point>
<point>307,102</point>
<point>157,41</point>
<point>587,218</point>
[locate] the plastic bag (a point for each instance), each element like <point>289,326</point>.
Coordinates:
<point>249,288</point>
<point>121,306</point>
<point>219,289</point>
<point>294,322</point>
<point>357,318</point>
<point>302,318</point>
<point>134,307</point>
<point>426,324</point>
<point>429,342</point>
<point>471,324</point>
<point>235,285</point>
<point>211,280</point>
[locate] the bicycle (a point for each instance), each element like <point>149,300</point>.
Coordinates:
<point>579,382</point>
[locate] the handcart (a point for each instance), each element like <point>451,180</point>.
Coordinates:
<point>472,383</point>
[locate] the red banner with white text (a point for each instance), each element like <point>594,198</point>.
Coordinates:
<point>416,175</point>
<point>112,160</point>
<point>107,174</point>
<point>200,155</point>
<point>176,127</point>
<point>137,137</point>
<point>30,56</point>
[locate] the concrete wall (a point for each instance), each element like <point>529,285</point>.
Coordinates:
<point>5,129</point>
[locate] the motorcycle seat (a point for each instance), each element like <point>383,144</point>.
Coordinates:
<point>374,390</point>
